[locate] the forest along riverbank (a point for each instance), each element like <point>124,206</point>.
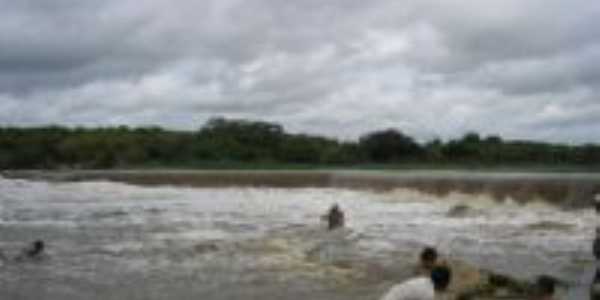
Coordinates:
<point>107,239</point>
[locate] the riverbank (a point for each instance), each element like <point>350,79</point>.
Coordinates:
<point>405,166</point>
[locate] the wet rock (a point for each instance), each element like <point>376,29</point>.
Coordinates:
<point>550,225</point>
<point>108,214</point>
<point>595,292</point>
<point>206,247</point>
<point>464,277</point>
<point>488,285</point>
<point>154,210</point>
<point>460,211</point>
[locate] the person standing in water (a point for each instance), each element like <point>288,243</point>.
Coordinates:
<point>335,217</point>
<point>422,287</point>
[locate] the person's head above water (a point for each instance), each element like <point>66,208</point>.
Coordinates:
<point>37,247</point>
<point>441,277</point>
<point>335,207</point>
<point>428,257</point>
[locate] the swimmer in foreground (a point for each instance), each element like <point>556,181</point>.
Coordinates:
<point>422,287</point>
<point>335,217</point>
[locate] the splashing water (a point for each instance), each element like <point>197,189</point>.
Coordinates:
<point>116,241</point>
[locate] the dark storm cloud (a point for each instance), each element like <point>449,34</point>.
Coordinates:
<point>340,67</point>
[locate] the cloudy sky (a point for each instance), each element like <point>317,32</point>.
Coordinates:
<point>517,68</point>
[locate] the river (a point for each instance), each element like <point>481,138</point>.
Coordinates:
<point>117,240</point>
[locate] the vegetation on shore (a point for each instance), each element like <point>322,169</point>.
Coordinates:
<point>245,144</point>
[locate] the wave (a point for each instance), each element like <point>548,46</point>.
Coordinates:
<point>568,190</point>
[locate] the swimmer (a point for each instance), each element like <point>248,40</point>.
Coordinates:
<point>34,251</point>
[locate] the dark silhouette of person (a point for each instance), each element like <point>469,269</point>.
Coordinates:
<point>596,245</point>
<point>545,287</point>
<point>595,288</point>
<point>441,276</point>
<point>428,258</point>
<point>36,249</point>
<point>33,251</point>
<point>335,217</point>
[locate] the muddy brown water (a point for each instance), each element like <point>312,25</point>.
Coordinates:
<point>257,235</point>
<point>569,190</point>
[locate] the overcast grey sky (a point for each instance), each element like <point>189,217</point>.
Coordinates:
<point>517,68</point>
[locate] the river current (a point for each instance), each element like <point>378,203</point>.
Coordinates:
<point>108,240</point>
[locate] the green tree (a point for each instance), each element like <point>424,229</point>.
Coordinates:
<point>389,145</point>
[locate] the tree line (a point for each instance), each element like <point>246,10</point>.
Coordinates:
<point>223,141</point>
